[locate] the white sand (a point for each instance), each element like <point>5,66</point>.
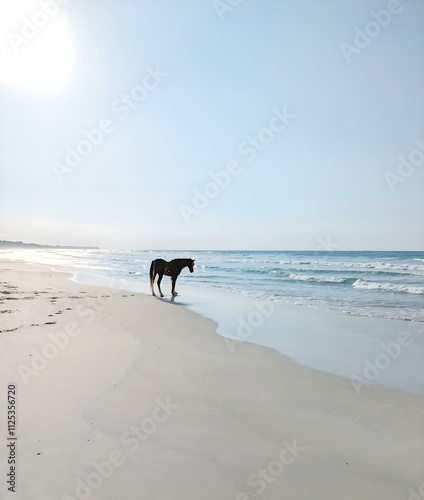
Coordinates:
<point>143,400</point>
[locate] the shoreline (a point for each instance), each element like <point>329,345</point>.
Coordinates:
<point>354,347</point>
<point>365,350</point>
<point>141,398</point>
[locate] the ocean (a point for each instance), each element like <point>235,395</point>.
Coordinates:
<point>375,284</point>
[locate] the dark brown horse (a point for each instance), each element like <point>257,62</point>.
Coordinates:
<point>172,269</point>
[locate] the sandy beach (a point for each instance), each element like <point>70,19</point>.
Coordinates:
<point>122,395</point>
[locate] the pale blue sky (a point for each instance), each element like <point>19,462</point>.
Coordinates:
<point>323,178</point>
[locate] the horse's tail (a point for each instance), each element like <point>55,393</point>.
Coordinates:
<point>152,275</point>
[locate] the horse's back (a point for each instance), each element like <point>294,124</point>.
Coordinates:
<point>160,261</point>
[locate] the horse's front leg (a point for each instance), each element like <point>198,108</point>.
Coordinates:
<point>159,281</point>
<point>174,280</point>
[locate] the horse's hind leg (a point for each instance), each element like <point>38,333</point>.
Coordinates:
<point>173,292</point>
<point>159,281</point>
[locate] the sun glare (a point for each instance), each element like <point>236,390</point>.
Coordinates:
<point>36,51</point>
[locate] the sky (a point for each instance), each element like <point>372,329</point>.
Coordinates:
<point>209,124</point>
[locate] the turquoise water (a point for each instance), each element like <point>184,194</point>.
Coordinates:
<point>376,284</point>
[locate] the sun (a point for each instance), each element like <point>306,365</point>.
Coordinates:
<point>36,51</point>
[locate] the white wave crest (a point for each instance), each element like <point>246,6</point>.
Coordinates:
<point>376,265</point>
<point>388,287</point>
<point>317,279</point>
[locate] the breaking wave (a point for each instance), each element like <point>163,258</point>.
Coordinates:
<point>388,287</point>
<point>320,279</point>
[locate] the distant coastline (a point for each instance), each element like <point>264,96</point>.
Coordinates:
<point>21,244</point>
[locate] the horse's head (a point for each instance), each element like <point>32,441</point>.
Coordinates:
<point>191,265</point>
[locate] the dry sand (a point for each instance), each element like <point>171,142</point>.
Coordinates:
<point>123,396</point>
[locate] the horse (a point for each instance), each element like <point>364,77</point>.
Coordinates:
<point>172,269</point>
